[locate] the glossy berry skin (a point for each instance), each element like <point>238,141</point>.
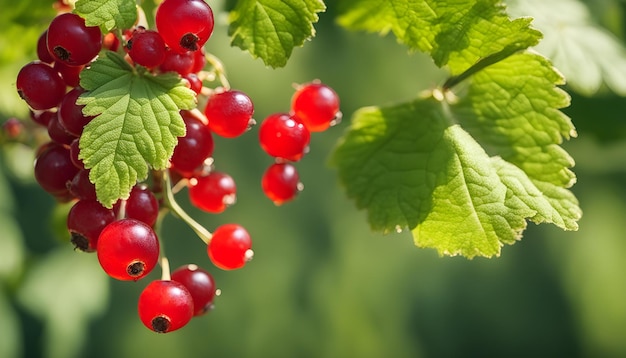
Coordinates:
<point>58,133</point>
<point>185,25</point>
<point>141,205</point>
<point>71,41</point>
<point>194,148</point>
<point>71,114</point>
<point>281,182</point>
<point>128,249</point>
<point>283,137</point>
<point>85,221</point>
<point>54,169</point>
<point>165,306</point>
<point>229,248</point>
<point>40,86</point>
<point>181,63</point>
<point>146,48</point>
<point>81,187</point>
<point>316,106</point>
<point>229,113</point>
<point>214,192</point>
<point>69,74</point>
<point>200,285</point>
<point>42,49</point>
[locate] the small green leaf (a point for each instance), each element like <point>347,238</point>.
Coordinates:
<point>589,56</point>
<point>456,33</point>
<point>137,124</point>
<point>108,14</point>
<point>465,173</point>
<point>270,29</point>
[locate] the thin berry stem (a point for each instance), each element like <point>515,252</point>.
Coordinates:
<point>170,202</point>
<point>218,69</point>
<point>165,269</point>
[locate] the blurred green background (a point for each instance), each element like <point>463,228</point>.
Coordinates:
<point>322,284</point>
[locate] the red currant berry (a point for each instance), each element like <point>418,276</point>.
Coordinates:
<point>70,74</point>
<point>146,48</point>
<point>281,183</point>
<point>40,86</point>
<point>194,148</point>
<point>229,113</point>
<point>229,247</point>
<point>200,285</point>
<point>141,205</point>
<point>165,306</point>
<point>71,41</point>
<point>81,187</point>
<point>181,63</point>
<point>85,222</point>
<point>42,118</point>
<point>195,83</point>
<point>71,114</point>
<point>54,169</point>
<point>57,131</point>
<point>199,60</point>
<point>42,49</point>
<point>316,106</point>
<point>185,25</point>
<point>214,192</point>
<point>128,249</point>
<point>74,152</point>
<point>283,137</point>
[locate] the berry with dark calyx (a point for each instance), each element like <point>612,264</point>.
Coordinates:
<point>128,249</point>
<point>165,306</point>
<point>71,114</point>
<point>281,136</point>
<point>54,169</point>
<point>146,48</point>
<point>71,41</point>
<point>229,113</point>
<point>194,148</point>
<point>185,25</point>
<point>229,248</point>
<point>141,205</point>
<point>200,285</point>
<point>40,86</point>
<point>281,182</point>
<point>214,192</point>
<point>316,106</point>
<point>85,222</point>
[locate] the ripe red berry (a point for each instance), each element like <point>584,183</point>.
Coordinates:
<point>184,24</point>
<point>71,114</point>
<point>128,249</point>
<point>200,285</point>
<point>281,182</point>
<point>58,133</point>
<point>146,48</point>
<point>165,306</point>
<point>214,192</point>
<point>229,247</point>
<point>229,113</point>
<point>71,41</point>
<point>81,187</point>
<point>194,148</point>
<point>54,169</point>
<point>42,48</point>
<point>141,205</point>
<point>40,86</point>
<point>181,63</point>
<point>316,106</point>
<point>85,222</point>
<point>283,137</point>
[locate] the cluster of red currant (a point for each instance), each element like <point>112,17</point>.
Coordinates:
<point>285,136</point>
<point>123,237</point>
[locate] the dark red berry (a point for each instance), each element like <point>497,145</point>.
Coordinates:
<point>141,205</point>
<point>54,169</point>
<point>71,114</point>
<point>146,48</point>
<point>194,148</point>
<point>40,86</point>
<point>200,285</point>
<point>85,222</point>
<point>71,41</point>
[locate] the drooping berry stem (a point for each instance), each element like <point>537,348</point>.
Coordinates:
<point>170,202</point>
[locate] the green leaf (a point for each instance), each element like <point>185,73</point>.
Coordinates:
<point>108,14</point>
<point>270,29</point>
<point>456,33</point>
<point>589,56</point>
<point>464,172</point>
<point>137,124</point>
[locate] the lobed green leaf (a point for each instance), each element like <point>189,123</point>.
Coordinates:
<point>270,29</point>
<point>108,14</point>
<point>136,127</point>
<point>464,172</point>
